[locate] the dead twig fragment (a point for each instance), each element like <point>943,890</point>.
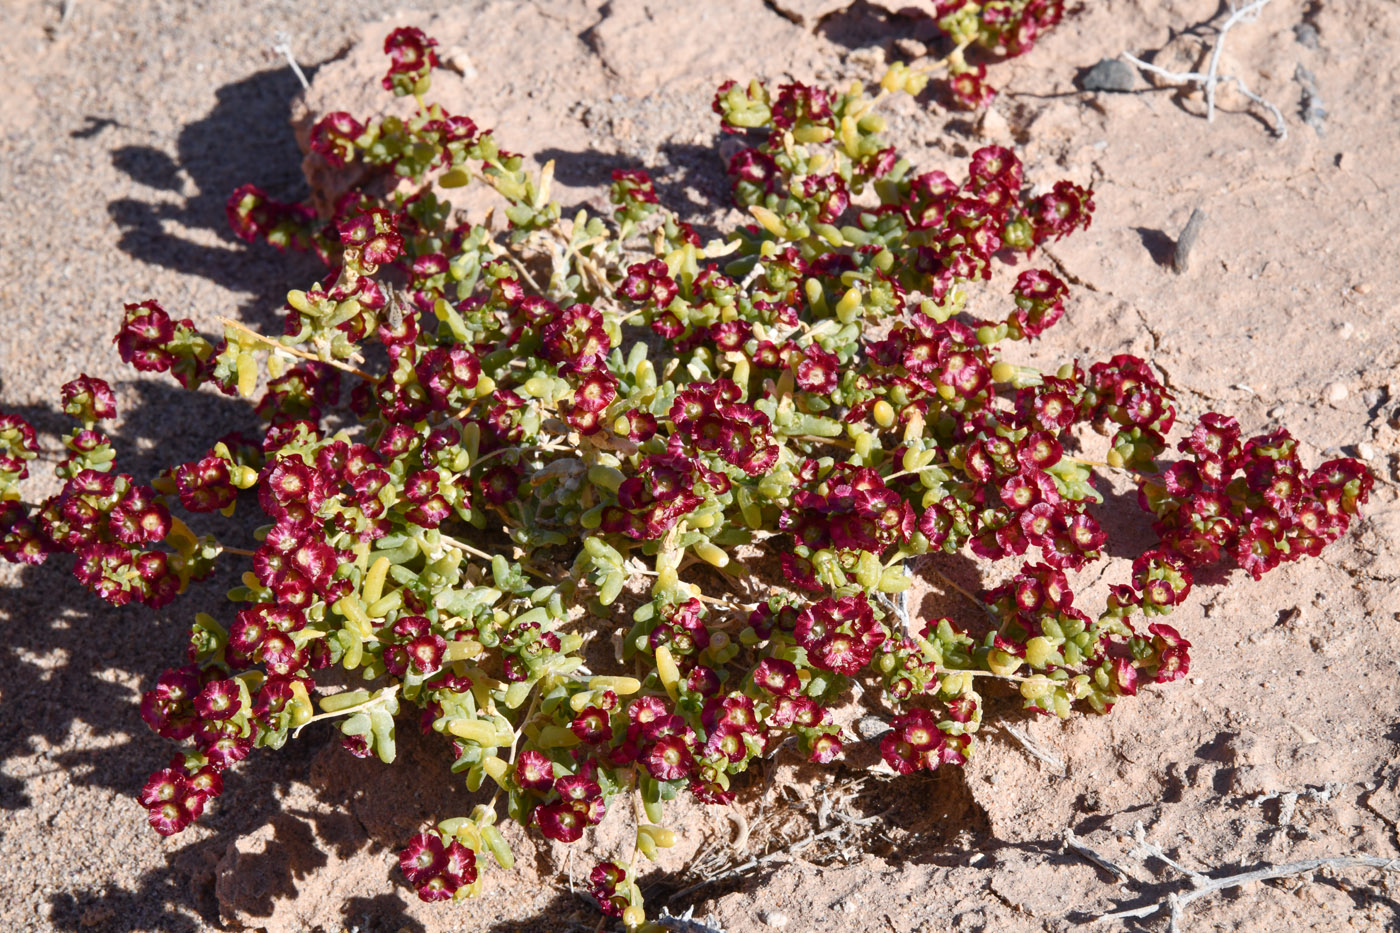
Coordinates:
<point>1181,253</point>
<point>1247,13</point>
<point>283,47</point>
<point>1071,841</point>
<point>1146,849</point>
<point>1036,751</point>
<point>1204,886</point>
<point>1211,80</point>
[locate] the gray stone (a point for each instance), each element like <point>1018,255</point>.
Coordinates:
<point>1111,74</point>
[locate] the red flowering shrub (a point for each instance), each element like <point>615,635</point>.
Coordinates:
<point>574,428</point>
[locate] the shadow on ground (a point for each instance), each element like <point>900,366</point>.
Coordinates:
<point>246,138</point>
<point>692,183</point>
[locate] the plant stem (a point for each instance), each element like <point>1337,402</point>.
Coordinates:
<point>293,351</point>
<point>377,699</point>
<point>970,673</point>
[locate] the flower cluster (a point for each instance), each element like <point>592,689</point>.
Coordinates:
<point>486,454</point>
<point>1252,501</point>
<point>1008,28</point>
<point>112,525</point>
<point>438,872</point>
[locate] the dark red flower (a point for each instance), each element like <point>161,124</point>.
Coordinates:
<point>534,771</point>
<point>423,857</point>
<point>333,137</point>
<point>560,821</point>
<point>668,758</point>
<point>410,55</point>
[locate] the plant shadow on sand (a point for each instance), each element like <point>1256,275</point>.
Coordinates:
<point>76,666</point>
<point>692,182</point>
<point>245,138</point>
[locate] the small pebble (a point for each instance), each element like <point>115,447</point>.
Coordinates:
<point>871,727</point>
<point>1362,288</point>
<point>774,918</point>
<point>1336,392</point>
<point>1346,330</point>
<point>1110,74</point>
<point>871,58</point>
<point>460,62</point>
<point>1365,451</point>
<point>910,49</point>
<point>1306,34</point>
<point>993,126</point>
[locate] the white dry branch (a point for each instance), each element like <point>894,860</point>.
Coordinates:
<point>283,47</point>
<point>687,922</point>
<point>1204,886</point>
<point>1212,79</point>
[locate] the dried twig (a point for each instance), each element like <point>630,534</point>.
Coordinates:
<point>1204,886</point>
<point>1035,750</point>
<point>65,12</point>
<point>785,853</point>
<point>1177,903</point>
<point>1146,850</point>
<point>1212,79</point>
<point>749,865</point>
<point>1071,841</point>
<point>687,922</point>
<point>1247,13</point>
<point>284,48</point>
<point>953,585</point>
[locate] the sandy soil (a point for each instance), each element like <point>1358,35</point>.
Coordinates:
<point>125,126</point>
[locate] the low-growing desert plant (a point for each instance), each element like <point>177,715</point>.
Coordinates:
<point>617,510</point>
<point>1003,28</point>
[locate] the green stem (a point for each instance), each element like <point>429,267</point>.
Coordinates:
<point>379,699</point>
